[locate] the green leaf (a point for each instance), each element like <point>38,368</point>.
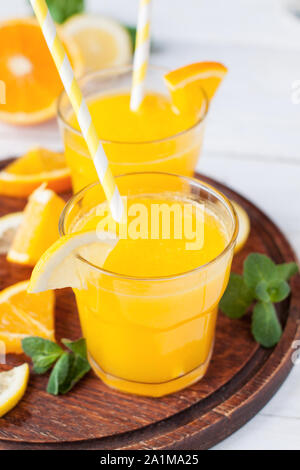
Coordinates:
<point>78,368</point>
<point>61,10</point>
<point>43,363</point>
<point>261,291</point>
<point>43,352</point>
<point>273,291</point>
<point>257,268</point>
<point>237,298</point>
<point>77,347</point>
<point>70,368</point>
<point>266,328</point>
<point>59,373</point>
<point>132,33</point>
<point>286,270</point>
<point>278,290</point>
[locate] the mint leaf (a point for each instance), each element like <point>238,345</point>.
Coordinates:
<point>257,268</point>
<point>286,270</point>
<point>77,347</point>
<point>59,373</point>
<point>278,290</point>
<point>261,291</point>
<point>43,352</point>
<point>78,368</point>
<point>61,10</point>
<point>266,328</point>
<point>43,363</point>
<point>132,33</point>
<point>237,298</point>
<point>70,368</point>
<point>273,291</point>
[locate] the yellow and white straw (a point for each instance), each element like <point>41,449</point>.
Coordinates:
<point>141,55</point>
<point>80,108</point>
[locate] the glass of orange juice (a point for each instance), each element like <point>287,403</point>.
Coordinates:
<point>156,138</point>
<point>149,304</point>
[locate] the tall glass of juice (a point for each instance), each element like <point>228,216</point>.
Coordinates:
<point>149,302</point>
<point>155,138</point>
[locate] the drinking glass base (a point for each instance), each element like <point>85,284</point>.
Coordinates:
<point>152,389</point>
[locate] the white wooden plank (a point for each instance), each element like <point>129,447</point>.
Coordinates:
<point>273,187</point>
<point>247,21</point>
<point>265,433</point>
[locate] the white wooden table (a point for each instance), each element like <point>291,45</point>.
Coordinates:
<point>253,132</point>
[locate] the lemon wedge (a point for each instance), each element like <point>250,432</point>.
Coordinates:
<point>244,226</point>
<point>13,384</point>
<point>60,266</point>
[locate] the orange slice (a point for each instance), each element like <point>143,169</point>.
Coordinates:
<point>186,85</point>
<point>23,314</point>
<point>28,73</point>
<point>37,166</point>
<point>38,229</point>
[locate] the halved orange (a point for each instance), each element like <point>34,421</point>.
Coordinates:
<point>28,73</point>
<point>186,84</point>
<point>23,314</point>
<point>37,166</point>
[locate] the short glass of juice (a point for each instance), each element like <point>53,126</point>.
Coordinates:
<point>155,138</point>
<point>149,302</point>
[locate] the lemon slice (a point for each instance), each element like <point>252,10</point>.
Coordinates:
<point>102,41</point>
<point>13,384</point>
<point>60,265</point>
<point>8,227</point>
<point>244,226</point>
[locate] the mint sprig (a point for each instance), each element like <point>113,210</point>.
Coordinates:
<point>70,366</point>
<point>262,282</point>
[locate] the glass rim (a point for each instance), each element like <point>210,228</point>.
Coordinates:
<point>203,185</point>
<point>123,69</point>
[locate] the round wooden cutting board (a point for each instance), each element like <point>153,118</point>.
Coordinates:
<point>240,380</point>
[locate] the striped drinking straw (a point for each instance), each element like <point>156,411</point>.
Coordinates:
<point>80,108</point>
<point>141,55</point>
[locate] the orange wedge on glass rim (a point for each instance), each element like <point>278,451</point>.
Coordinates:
<point>23,314</point>
<point>37,166</point>
<point>191,84</point>
<point>29,79</point>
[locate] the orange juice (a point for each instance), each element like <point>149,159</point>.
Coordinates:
<point>149,312</point>
<point>156,138</point>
